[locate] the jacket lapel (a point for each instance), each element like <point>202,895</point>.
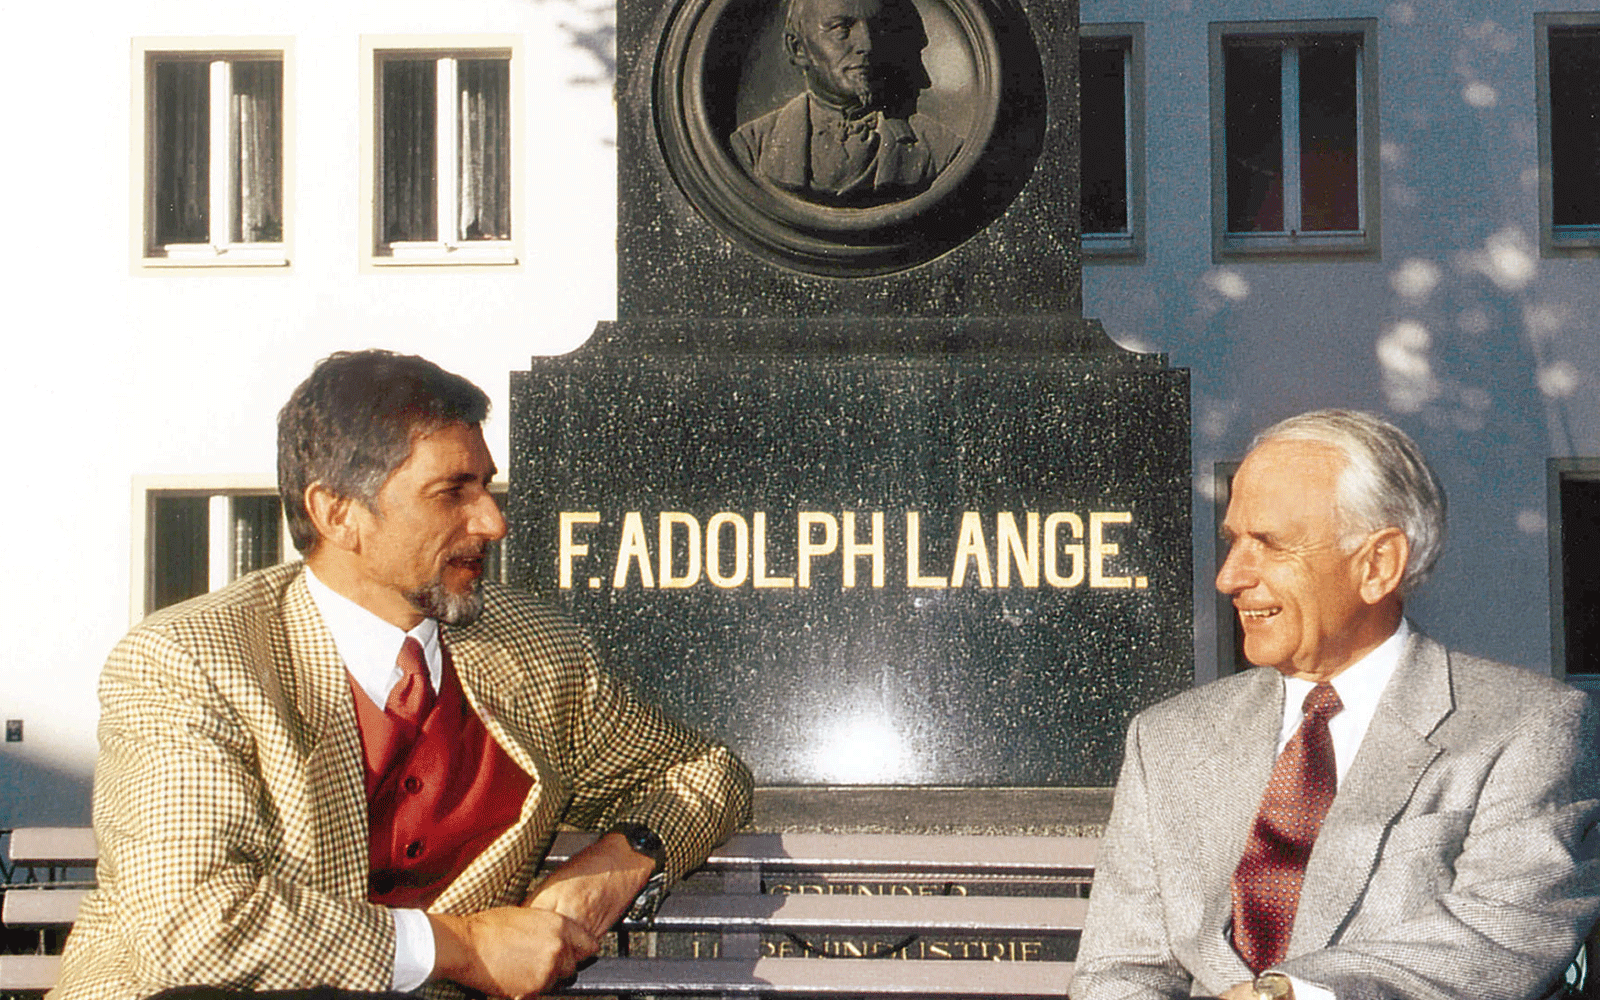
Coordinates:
<point>1393,756</point>
<point>786,160</point>
<point>1228,795</point>
<point>333,811</point>
<point>493,684</point>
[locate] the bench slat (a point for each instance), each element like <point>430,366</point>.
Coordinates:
<point>822,852</point>
<point>29,972</point>
<point>819,976</point>
<point>956,854</point>
<point>33,907</point>
<point>53,845</point>
<point>874,914</point>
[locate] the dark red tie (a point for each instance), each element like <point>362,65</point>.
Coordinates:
<point>1266,885</point>
<point>413,696</point>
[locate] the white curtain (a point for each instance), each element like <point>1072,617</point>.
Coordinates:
<point>483,100</point>
<point>257,152</point>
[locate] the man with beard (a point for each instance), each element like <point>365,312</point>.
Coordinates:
<point>854,137</point>
<point>342,775</point>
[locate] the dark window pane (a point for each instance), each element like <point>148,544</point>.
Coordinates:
<point>1253,136</point>
<point>179,562</point>
<point>256,146</point>
<point>1575,126</point>
<point>409,134</point>
<point>1580,573</point>
<point>255,533</point>
<point>484,100</point>
<point>1330,179</point>
<point>1104,134</point>
<point>182,155</point>
<point>494,562</point>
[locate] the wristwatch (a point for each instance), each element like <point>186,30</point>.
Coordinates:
<point>647,842</point>
<point>1272,986</point>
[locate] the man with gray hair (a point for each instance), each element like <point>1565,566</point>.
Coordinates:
<point>1375,816</point>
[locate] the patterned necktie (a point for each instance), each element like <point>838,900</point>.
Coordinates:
<point>413,696</point>
<point>1266,885</point>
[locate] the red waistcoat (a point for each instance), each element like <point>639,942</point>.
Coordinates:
<point>437,794</point>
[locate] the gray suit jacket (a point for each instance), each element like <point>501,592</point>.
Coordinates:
<point>1458,858</point>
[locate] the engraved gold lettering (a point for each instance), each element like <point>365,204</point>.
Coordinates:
<point>809,549</point>
<point>1053,550</point>
<point>1099,549</point>
<point>1012,549</point>
<point>969,546</point>
<point>633,549</point>
<point>762,579</point>
<point>741,550</point>
<point>691,572</point>
<point>569,548</point>
<point>854,550</point>
<point>914,577</point>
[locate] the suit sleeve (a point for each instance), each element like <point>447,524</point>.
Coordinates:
<point>1517,877</point>
<point>630,762</point>
<point>203,887</point>
<point>1124,951</point>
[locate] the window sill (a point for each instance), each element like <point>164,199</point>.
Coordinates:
<point>1573,241</point>
<point>1251,246</point>
<point>1122,248</point>
<point>182,255</point>
<point>432,254</point>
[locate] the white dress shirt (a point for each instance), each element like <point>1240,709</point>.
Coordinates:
<point>1359,687</point>
<point>369,647</point>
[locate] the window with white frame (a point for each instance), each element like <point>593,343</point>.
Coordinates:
<point>1569,119</point>
<point>1574,492</point>
<point>442,146</point>
<point>197,536</point>
<point>1111,129</point>
<point>213,138</point>
<point>1294,136</point>
<point>194,534</point>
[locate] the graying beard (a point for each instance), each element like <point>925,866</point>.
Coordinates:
<point>435,601</point>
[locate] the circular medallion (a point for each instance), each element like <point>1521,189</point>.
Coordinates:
<point>848,137</point>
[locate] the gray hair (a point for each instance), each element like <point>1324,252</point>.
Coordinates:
<point>1386,482</point>
<point>350,425</point>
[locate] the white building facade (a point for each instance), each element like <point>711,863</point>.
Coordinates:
<point>209,198</point>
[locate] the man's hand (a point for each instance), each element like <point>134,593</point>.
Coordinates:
<point>521,951</point>
<point>597,885</point>
<point>1243,991</point>
<point>509,951</point>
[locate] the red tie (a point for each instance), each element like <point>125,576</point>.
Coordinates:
<point>413,696</point>
<point>1266,885</point>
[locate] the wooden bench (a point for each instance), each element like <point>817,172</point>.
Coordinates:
<point>45,900</point>
<point>767,915</point>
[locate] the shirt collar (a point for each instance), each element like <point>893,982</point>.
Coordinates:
<point>368,644</point>
<point>1359,687</point>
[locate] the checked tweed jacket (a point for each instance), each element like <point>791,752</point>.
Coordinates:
<point>230,809</point>
<point>1458,859</point>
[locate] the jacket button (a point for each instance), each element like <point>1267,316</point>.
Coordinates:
<point>414,849</point>
<point>413,784</point>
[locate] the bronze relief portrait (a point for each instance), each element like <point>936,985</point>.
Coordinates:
<point>846,137</point>
<point>855,135</point>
